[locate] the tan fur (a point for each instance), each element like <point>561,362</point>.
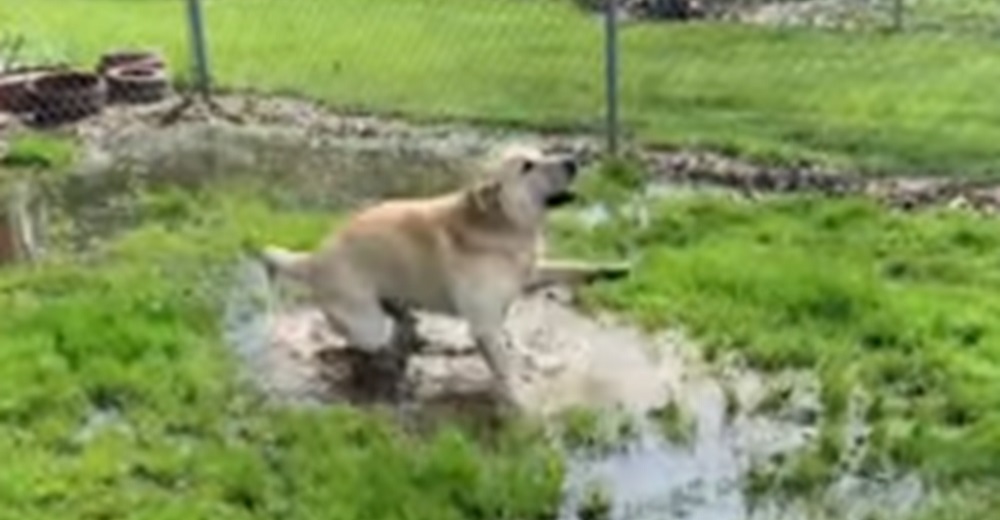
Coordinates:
<point>468,254</point>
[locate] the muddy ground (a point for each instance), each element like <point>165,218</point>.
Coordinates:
<point>565,358</point>
<point>361,157</point>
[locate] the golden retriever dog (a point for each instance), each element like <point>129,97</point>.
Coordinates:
<point>469,254</point>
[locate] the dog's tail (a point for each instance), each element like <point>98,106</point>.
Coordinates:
<point>280,261</point>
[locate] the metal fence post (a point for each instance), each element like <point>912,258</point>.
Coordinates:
<point>199,48</point>
<point>897,15</point>
<point>611,74</point>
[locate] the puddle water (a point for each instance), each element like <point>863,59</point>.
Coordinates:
<point>566,359</point>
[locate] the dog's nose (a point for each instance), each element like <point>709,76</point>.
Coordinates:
<point>571,167</point>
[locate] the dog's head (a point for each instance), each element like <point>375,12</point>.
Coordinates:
<point>524,182</point>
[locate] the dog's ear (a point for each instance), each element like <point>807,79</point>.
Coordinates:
<point>486,196</point>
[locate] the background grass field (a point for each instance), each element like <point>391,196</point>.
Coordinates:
<point>919,102</point>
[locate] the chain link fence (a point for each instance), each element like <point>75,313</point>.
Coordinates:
<point>683,72</point>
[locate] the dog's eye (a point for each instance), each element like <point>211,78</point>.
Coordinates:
<point>527,166</point>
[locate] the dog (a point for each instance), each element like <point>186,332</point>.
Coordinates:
<point>469,254</point>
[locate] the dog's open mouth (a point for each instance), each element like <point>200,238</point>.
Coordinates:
<point>560,199</point>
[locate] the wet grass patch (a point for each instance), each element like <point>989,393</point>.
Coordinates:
<point>901,305</point>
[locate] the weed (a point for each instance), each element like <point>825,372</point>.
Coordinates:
<point>675,423</point>
<point>596,504</point>
<point>592,430</point>
<point>775,399</point>
<point>835,392</point>
<point>874,459</point>
<point>581,428</point>
<point>807,473</point>
<point>733,405</point>
<point>758,482</point>
<point>831,443</point>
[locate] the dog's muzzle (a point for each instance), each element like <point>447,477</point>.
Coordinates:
<point>563,198</point>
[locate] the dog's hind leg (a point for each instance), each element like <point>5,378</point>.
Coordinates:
<point>405,336</point>
<point>364,325</point>
<point>376,364</point>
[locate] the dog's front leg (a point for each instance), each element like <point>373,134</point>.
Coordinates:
<point>491,345</point>
<point>567,272</point>
<point>485,308</point>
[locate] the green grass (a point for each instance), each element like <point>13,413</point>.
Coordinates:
<point>675,424</point>
<point>39,152</point>
<point>133,329</point>
<point>595,431</point>
<point>596,504</point>
<point>903,305</point>
<point>912,102</point>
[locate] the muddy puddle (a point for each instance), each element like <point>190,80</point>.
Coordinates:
<point>565,360</point>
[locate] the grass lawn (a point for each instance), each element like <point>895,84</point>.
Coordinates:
<point>917,103</point>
